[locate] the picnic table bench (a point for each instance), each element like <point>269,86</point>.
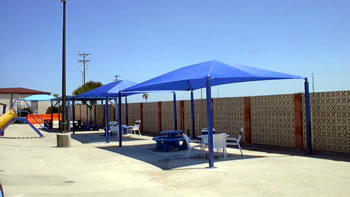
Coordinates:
<point>166,144</point>
<point>90,126</point>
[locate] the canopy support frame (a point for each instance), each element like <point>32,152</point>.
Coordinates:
<point>193,116</point>
<point>107,119</point>
<point>210,124</point>
<point>175,111</point>
<point>308,117</point>
<point>120,118</point>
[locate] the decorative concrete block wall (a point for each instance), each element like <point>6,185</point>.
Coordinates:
<point>168,115</point>
<point>330,120</point>
<point>150,117</point>
<point>272,119</point>
<point>229,116</point>
<point>84,113</point>
<point>188,118</point>
<point>134,112</point>
<point>201,117</point>
<point>99,114</point>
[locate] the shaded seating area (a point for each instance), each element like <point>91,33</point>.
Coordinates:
<point>104,94</point>
<point>87,124</point>
<point>174,160</point>
<point>213,73</point>
<point>189,78</point>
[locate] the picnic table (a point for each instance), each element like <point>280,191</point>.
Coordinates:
<point>90,126</point>
<point>172,133</point>
<point>170,140</point>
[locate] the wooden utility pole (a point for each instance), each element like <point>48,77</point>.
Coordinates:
<point>84,61</point>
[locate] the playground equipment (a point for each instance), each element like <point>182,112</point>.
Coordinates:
<point>7,117</point>
<point>34,116</point>
<point>3,108</point>
<point>10,117</point>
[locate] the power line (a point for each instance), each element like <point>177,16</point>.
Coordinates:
<point>84,61</point>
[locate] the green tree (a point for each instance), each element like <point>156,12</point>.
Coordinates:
<point>54,109</point>
<point>87,87</point>
<point>145,96</point>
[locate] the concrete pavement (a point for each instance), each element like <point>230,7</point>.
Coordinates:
<point>32,167</point>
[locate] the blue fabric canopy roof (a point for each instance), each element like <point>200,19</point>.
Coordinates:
<point>112,89</point>
<point>39,97</point>
<point>195,76</point>
<point>212,73</point>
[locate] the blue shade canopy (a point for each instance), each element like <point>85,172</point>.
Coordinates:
<point>112,89</point>
<point>39,97</point>
<point>195,76</point>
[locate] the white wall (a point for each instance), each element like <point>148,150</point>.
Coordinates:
<point>6,99</point>
<point>42,106</point>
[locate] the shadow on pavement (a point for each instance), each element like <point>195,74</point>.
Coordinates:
<point>85,137</point>
<point>169,160</point>
<point>298,152</point>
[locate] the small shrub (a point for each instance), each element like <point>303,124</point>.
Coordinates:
<point>53,109</point>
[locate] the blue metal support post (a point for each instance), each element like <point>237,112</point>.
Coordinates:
<point>51,123</point>
<point>103,114</point>
<point>59,116</point>
<point>30,124</point>
<point>120,118</point>
<point>210,125</point>
<point>107,119</point>
<point>175,112</point>
<point>116,109</point>
<point>68,117</point>
<point>308,117</point>
<point>73,109</point>
<point>90,110</point>
<point>193,116</point>
<point>126,111</point>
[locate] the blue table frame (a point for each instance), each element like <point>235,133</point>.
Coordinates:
<point>172,133</point>
<point>170,141</point>
<point>90,126</point>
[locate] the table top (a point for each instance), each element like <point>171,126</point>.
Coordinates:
<point>203,136</point>
<point>167,132</point>
<point>114,123</point>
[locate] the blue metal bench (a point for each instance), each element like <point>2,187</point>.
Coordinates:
<point>166,144</point>
<point>90,126</point>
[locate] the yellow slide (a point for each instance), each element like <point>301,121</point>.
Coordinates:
<point>6,118</point>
